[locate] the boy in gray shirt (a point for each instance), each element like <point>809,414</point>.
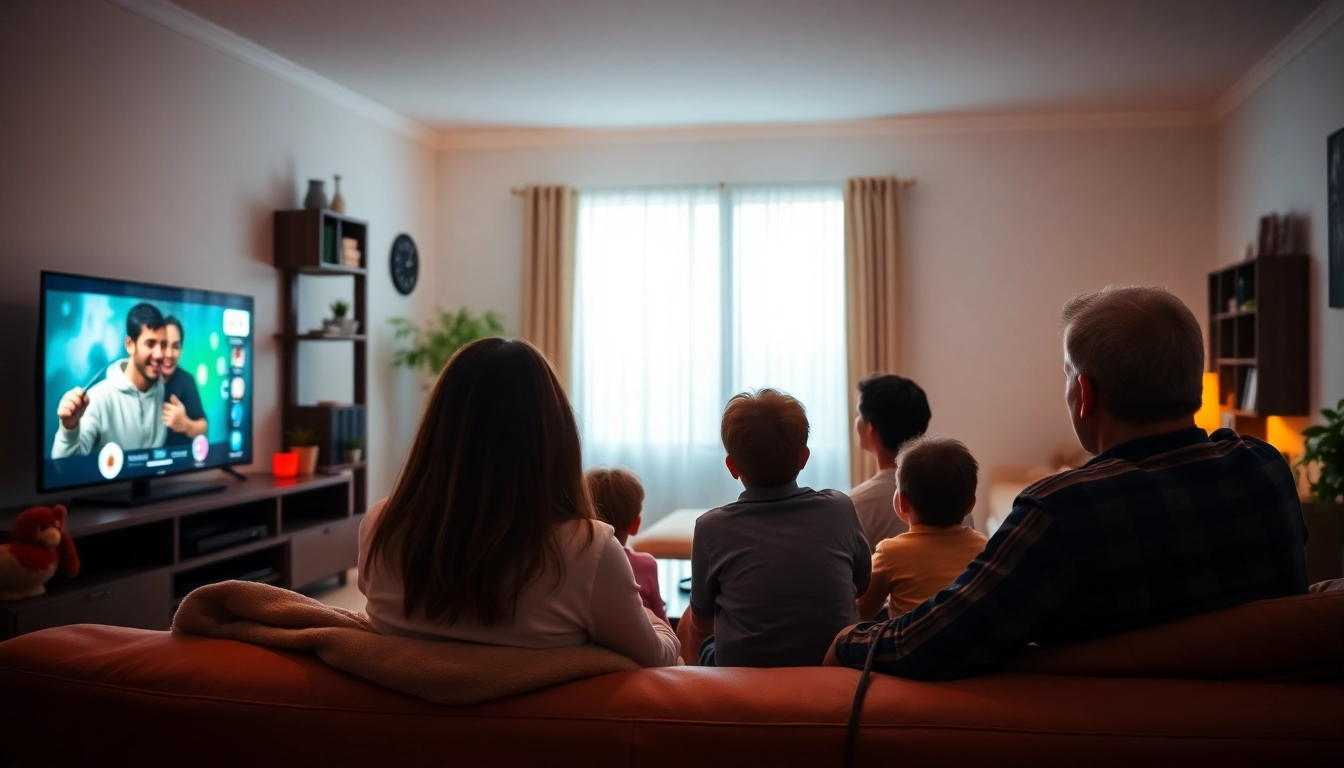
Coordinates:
<point>774,575</point>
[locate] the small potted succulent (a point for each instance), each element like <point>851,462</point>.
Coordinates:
<point>354,450</point>
<point>303,441</point>
<point>1323,464</point>
<point>340,321</point>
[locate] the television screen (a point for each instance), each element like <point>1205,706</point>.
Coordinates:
<point>138,381</point>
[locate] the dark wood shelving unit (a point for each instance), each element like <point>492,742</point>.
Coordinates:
<point>305,241</point>
<point>1258,327</point>
<point>135,568</point>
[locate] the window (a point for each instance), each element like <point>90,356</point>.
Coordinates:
<point>687,296</point>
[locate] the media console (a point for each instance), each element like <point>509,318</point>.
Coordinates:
<point>137,564</point>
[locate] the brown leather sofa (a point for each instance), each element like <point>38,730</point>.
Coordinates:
<point>1259,684</point>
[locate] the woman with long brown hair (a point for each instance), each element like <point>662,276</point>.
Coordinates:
<point>488,535</point>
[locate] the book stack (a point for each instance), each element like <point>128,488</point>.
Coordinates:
<point>350,255</point>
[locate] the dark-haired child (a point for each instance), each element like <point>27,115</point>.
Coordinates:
<point>618,499</point>
<point>774,575</point>
<point>937,479</point>
<point>891,410</point>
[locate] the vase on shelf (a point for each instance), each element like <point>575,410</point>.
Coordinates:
<point>317,195</point>
<point>337,200</point>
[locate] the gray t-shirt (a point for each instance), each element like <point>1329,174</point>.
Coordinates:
<point>778,571</point>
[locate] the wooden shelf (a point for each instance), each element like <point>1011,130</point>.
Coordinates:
<point>311,336</point>
<point>331,269</point>
<point>336,469</point>
<point>1230,315</point>
<point>1234,361</point>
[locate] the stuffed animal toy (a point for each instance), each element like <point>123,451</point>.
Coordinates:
<point>38,545</point>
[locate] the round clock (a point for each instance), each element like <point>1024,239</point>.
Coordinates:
<point>405,263</point>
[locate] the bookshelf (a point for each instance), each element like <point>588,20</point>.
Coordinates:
<point>314,244</point>
<point>1258,327</point>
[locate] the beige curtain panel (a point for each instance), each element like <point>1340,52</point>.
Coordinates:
<point>872,291</point>
<point>549,220</point>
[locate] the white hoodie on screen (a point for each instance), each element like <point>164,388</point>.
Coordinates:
<point>117,413</point>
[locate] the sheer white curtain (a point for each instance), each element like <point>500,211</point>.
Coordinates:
<point>684,297</point>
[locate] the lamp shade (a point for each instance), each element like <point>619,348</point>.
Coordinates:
<point>1209,418</point>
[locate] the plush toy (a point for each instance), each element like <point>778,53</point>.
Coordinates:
<point>38,545</point>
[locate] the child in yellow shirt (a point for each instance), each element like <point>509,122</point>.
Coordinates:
<point>935,481</point>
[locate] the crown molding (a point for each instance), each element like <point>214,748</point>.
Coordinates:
<point>211,34</point>
<point>1303,36</point>
<point>454,140</point>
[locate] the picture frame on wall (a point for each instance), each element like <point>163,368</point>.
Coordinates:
<point>1335,185</point>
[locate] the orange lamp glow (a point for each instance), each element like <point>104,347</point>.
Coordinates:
<point>1209,416</point>
<point>1280,434</point>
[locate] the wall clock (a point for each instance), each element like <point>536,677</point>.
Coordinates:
<point>405,263</point>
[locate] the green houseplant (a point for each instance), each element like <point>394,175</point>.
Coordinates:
<point>1323,462</point>
<point>432,346</point>
<point>354,450</point>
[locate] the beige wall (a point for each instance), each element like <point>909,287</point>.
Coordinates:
<point>130,151</point>
<point>1271,158</point>
<point>1003,228</point>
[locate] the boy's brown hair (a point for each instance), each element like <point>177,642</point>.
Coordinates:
<point>938,475</point>
<point>765,432</point>
<point>617,497</point>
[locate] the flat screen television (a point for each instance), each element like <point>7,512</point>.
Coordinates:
<point>139,381</point>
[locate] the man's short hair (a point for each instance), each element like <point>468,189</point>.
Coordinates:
<point>765,432</point>
<point>896,407</point>
<point>142,315</point>
<point>1142,349</point>
<point>938,476</point>
<point>617,496</point>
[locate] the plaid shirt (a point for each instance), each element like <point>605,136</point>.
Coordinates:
<point>1147,532</point>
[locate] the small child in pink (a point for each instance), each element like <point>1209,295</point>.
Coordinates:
<point>618,499</point>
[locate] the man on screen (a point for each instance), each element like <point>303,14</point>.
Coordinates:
<point>126,407</point>
<point>182,411</point>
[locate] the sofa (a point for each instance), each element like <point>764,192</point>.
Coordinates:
<point>1256,684</point>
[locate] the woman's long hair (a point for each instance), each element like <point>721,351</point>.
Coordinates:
<point>494,467</point>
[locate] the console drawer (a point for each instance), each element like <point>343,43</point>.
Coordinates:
<point>144,602</point>
<point>323,550</point>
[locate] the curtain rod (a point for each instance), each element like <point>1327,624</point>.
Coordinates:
<point>906,183</point>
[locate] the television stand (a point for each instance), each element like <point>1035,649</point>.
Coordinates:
<point>144,492</point>
<point>235,474</point>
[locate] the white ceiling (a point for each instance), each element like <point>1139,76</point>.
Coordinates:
<point>633,63</point>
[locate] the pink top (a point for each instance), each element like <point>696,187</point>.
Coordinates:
<point>597,601</point>
<point>645,567</point>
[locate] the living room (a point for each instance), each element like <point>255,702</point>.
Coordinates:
<point>1051,148</point>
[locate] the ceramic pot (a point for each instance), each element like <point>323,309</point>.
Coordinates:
<point>307,459</point>
<point>353,455</point>
<point>317,194</point>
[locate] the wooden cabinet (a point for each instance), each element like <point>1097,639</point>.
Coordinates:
<point>138,563</point>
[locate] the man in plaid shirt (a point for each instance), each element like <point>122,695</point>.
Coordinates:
<point>1164,522</point>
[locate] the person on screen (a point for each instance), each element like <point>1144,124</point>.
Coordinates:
<point>126,406</point>
<point>183,414</point>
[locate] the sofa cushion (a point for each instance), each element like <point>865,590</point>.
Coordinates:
<point>1284,639</point>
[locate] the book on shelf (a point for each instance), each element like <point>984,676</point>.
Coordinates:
<point>1249,392</point>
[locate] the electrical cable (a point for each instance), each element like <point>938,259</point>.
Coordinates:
<point>852,731</point>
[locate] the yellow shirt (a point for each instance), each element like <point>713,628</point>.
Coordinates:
<point>910,568</point>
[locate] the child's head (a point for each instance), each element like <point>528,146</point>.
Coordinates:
<point>617,497</point>
<point>494,467</point>
<point>935,481</point>
<point>765,434</point>
<point>892,410</point>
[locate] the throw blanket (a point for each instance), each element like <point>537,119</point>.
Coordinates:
<point>445,672</point>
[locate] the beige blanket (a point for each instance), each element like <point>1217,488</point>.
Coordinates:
<point>445,672</point>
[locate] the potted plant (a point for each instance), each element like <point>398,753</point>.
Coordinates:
<point>339,322</point>
<point>354,450</point>
<point>303,441</point>
<point>1323,464</point>
<point>432,346</point>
